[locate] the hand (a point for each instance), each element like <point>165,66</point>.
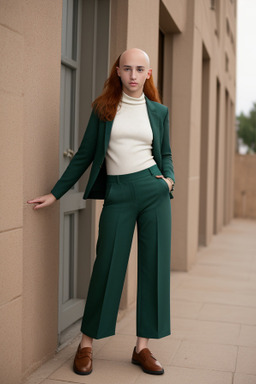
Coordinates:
<point>42,201</point>
<point>169,183</point>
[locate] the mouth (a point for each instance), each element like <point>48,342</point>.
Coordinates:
<point>133,83</point>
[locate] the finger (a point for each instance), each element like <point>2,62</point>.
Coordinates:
<point>36,200</point>
<point>33,202</point>
<point>159,176</point>
<point>39,206</point>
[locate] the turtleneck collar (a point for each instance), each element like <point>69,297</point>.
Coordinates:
<point>133,100</point>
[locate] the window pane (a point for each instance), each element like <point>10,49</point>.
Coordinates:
<point>69,29</point>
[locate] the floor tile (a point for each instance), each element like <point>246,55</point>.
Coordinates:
<point>248,336</point>
<point>177,278</point>
<point>177,375</point>
<point>226,252</point>
<point>228,313</point>
<point>34,379</point>
<point>107,372</point>
<point>187,309</point>
<point>118,348</point>
<point>219,271</point>
<point>207,331</point>
<point>164,349</point>
<point>53,364</point>
<point>241,378</point>
<point>206,356</point>
<point>217,285</point>
<point>246,360</point>
<point>217,297</point>
<point>49,381</point>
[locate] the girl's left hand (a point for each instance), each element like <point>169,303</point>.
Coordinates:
<point>169,183</point>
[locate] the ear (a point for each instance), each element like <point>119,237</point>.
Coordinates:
<point>149,73</point>
<point>118,71</point>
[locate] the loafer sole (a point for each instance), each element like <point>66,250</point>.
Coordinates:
<point>146,370</point>
<point>81,373</point>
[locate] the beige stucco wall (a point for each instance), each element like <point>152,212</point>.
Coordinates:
<point>245,186</point>
<point>186,126</point>
<point>11,218</point>
<point>42,54</point>
<point>30,46</point>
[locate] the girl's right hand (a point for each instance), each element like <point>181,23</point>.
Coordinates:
<point>42,201</point>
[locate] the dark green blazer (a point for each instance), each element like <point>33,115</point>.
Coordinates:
<point>94,146</point>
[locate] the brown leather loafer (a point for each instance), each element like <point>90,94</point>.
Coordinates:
<point>147,361</point>
<point>83,361</point>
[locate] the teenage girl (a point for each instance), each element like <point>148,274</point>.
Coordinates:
<point>127,142</point>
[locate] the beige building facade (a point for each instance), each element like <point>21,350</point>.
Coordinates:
<point>55,56</point>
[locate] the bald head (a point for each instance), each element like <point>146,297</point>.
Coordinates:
<point>135,54</point>
<point>134,70</point>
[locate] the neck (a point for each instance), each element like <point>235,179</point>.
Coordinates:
<point>136,95</point>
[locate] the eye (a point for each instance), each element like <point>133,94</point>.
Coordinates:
<point>140,69</point>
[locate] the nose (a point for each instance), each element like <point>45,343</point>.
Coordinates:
<point>133,74</point>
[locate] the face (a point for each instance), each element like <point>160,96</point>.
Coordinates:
<point>133,71</point>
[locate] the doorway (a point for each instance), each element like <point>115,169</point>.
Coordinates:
<point>202,230</point>
<point>84,67</point>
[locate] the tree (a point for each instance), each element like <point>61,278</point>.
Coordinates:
<point>247,128</point>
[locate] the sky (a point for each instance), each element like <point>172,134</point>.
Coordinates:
<point>246,55</point>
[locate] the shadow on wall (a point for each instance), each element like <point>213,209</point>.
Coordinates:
<point>245,186</point>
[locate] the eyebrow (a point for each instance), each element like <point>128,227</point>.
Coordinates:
<point>137,66</point>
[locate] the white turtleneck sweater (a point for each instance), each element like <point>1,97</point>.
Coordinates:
<point>130,145</point>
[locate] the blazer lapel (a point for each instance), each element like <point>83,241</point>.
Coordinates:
<point>154,122</point>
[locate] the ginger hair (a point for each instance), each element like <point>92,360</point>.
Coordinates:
<point>106,104</point>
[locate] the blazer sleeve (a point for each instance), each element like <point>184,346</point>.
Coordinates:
<point>82,159</point>
<point>167,164</point>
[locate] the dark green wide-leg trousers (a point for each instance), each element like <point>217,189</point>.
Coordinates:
<point>136,197</point>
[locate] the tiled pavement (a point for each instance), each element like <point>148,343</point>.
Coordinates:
<point>213,337</point>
